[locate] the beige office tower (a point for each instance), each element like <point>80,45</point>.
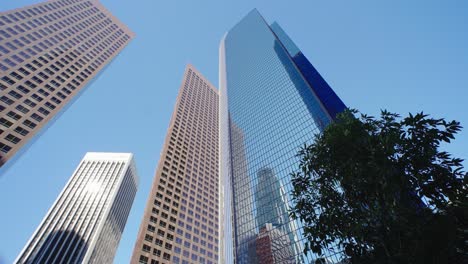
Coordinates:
<point>180,222</point>
<point>48,53</point>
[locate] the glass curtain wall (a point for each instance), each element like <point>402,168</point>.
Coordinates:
<point>273,101</point>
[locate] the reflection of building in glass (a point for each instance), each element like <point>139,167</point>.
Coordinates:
<point>48,53</point>
<point>273,246</point>
<point>271,93</point>
<point>269,199</point>
<point>243,195</point>
<point>87,220</point>
<point>180,222</point>
<point>270,203</point>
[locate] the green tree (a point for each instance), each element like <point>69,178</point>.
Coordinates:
<point>379,190</point>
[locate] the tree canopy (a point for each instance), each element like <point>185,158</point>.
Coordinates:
<point>380,190</point>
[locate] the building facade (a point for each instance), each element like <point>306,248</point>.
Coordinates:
<point>48,53</point>
<point>180,222</point>
<point>85,223</point>
<point>272,102</point>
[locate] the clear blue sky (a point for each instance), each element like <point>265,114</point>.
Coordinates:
<point>405,56</point>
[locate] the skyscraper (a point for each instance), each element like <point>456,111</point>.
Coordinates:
<point>48,53</point>
<point>272,96</point>
<point>180,222</point>
<point>85,223</point>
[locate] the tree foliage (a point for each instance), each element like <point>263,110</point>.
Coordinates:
<point>379,190</point>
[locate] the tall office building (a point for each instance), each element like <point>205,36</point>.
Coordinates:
<point>272,96</point>
<point>180,222</point>
<point>48,53</point>
<point>87,220</point>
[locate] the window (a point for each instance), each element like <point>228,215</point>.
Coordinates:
<point>5,122</point>
<point>151,228</point>
<point>17,58</point>
<point>37,80</point>
<point>37,117</point>
<point>143,259</point>
<point>146,248</point>
<point>13,115</point>
<point>29,66</point>
<point>14,94</point>
<point>44,93</point>
<point>23,89</point>
<point>50,106</point>
<point>30,103</point>
<point>160,232</point>
<point>155,211</point>
<point>8,80</point>
<point>29,124</point>
<point>35,62</point>
<point>4,148</point>
<point>4,50</point>
<point>158,242</point>
<point>11,46</point>
<point>37,97</point>
<point>157,252</point>
<point>168,246</point>
<point>6,100</point>
<point>12,138</point>
<point>56,84</point>
<point>61,95</point>
<point>186,244</point>
<point>147,237</point>
<point>30,84</point>
<point>16,76</point>
<point>166,256</point>
<point>50,88</point>
<point>177,250</point>
<point>23,71</point>
<point>43,75</point>
<point>47,70</point>
<point>21,131</point>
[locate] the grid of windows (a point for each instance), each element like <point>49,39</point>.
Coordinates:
<point>269,111</point>
<point>48,53</point>
<point>183,206</point>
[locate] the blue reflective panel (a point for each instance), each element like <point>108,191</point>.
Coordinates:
<point>288,44</point>
<point>268,111</point>
<point>330,101</point>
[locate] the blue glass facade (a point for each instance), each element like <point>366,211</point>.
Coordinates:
<point>272,102</point>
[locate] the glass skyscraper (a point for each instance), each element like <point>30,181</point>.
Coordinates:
<point>272,101</point>
<point>87,220</point>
